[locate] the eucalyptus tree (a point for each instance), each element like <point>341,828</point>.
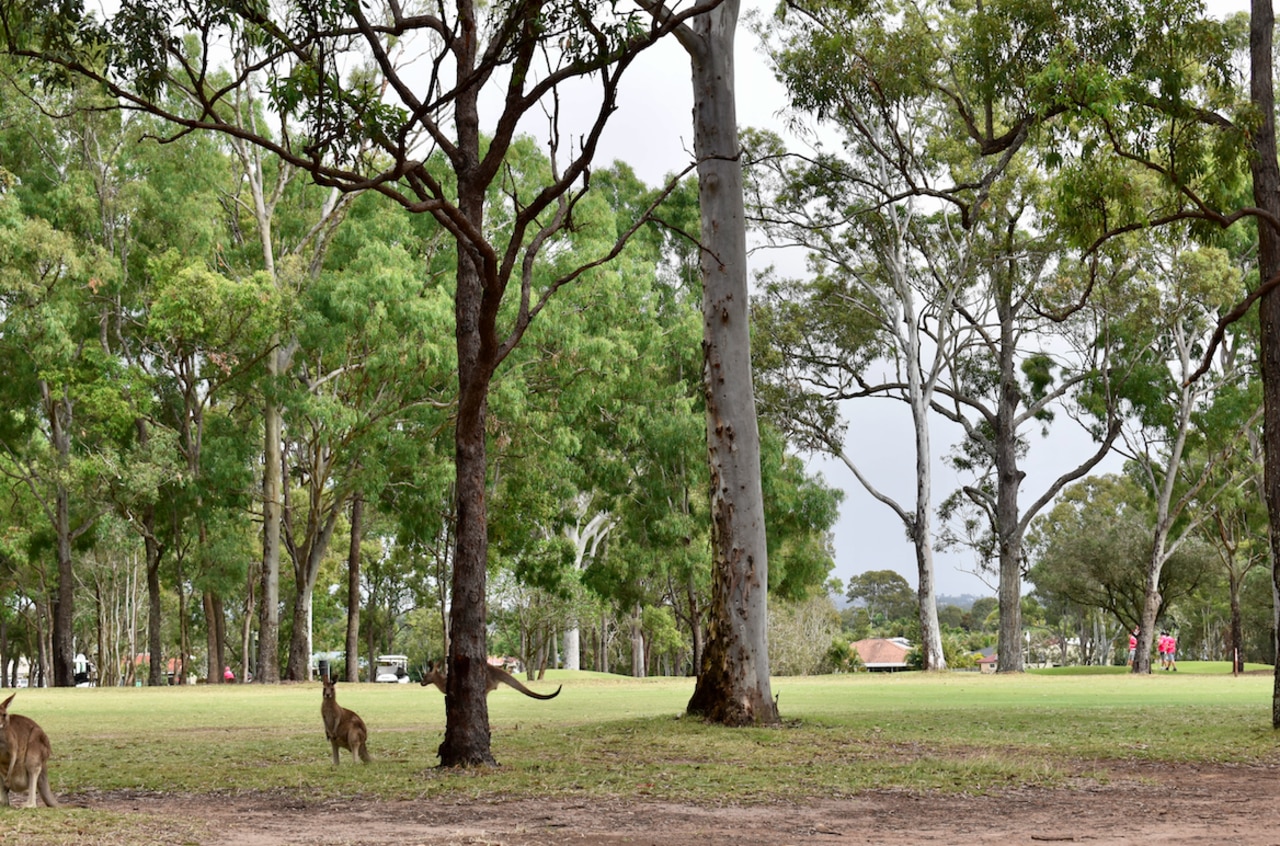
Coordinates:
<point>1184,428</point>
<point>871,295</point>
<point>1092,549</point>
<point>733,680</point>
<point>937,112</point>
<point>1218,163</point>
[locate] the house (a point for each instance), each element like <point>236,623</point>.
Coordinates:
<point>987,663</point>
<point>883,655</point>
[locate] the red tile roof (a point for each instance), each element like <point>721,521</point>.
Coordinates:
<point>881,652</point>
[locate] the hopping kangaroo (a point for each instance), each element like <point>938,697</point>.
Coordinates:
<point>24,758</point>
<point>343,727</point>
<point>496,675</point>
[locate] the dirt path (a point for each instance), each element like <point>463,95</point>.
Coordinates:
<point>1150,805</point>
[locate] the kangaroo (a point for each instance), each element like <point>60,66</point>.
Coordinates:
<point>343,728</point>
<point>496,675</point>
<point>24,758</point>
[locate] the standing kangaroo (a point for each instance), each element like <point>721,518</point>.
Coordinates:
<point>435,675</point>
<point>343,727</point>
<point>24,758</point>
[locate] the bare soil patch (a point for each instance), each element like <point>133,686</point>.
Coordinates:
<point>1141,805</point>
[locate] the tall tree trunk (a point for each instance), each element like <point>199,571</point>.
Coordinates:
<point>353,589</point>
<point>1008,482</point>
<point>467,738</point>
<point>215,635</point>
<point>733,688</point>
<point>1237,626</point>
<point>184,642</point>
<point>573,647</point>
<point>306,571</point>
<point>213,660</point>
<point>922,538</point>
<point>64,609</point>
<point>602,647</point>
<point>1266,196</point>
<point>58,413</point>
<point>919,396</point>
<point>246,628</point>
<point>637,643</point>
<point>272,507</point>
<point>695,624</point>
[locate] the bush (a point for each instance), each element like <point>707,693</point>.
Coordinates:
<point>841,657</point>
<point>800,634</point>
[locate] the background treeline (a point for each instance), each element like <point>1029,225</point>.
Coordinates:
<point>1015,224</point>
<point>158,297</point>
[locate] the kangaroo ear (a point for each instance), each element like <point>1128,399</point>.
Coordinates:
<point>4,706</point>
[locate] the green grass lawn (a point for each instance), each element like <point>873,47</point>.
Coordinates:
<point>608,736</point>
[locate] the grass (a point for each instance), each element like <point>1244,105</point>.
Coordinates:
<point>606,736</point>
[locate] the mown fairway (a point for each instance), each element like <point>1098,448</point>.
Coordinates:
<point>609,736</point>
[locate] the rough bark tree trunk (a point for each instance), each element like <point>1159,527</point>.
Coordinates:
<point>467,737</point>
<point>64,608</point>
<point>1266,196</point>
<point>215,635</point>
<point>353,589</point>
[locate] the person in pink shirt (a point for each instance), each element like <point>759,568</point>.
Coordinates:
<point>1162,649</point>
<point>1133,645</point>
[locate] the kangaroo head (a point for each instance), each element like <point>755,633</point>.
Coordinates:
<point>434,672</point>
<point>328,692</point>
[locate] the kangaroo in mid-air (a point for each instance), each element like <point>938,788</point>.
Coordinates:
<point>494,676</point>
<point>342,726</point>
<point>24,758</point>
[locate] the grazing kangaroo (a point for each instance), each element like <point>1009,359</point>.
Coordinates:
<point>343,727</point>
<point>435,675</point>
<point>24,758</point>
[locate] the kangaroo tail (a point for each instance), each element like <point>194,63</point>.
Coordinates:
<point>514,682</point>
<point>45,793</point>
<point>364,753</point>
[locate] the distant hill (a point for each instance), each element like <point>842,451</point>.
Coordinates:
<point>964,602</point>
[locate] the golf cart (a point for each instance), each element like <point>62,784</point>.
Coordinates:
<point>392,668</point>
